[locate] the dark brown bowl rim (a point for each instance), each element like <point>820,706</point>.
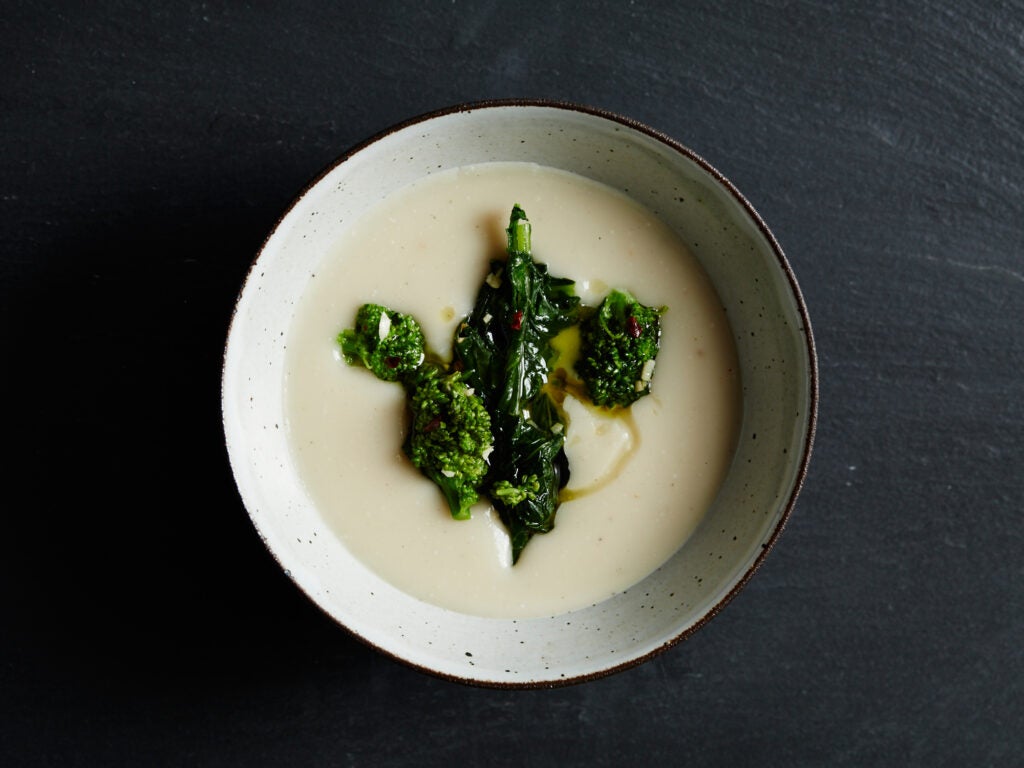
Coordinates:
<point>801,307</point>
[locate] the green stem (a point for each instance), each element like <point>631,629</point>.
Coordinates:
<point>518,231</point>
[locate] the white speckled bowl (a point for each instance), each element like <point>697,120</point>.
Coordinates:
<point>778,370</point>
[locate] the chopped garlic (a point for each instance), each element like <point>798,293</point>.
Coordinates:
<point>384,326</point>
<point>648,371</point>
<point>640,386</point>
<point>487,318</point>
<point>486,455</point>
<point>493,280</point>
<point>556,428</point>
<point>447,473</point>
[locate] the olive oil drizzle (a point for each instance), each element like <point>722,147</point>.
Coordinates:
<point>624,415</point>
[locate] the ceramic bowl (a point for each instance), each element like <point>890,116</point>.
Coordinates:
<point>777,368</point>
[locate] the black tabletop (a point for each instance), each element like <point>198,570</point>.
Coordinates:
<point>147,149</point>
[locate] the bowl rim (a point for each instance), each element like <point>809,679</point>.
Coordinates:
<point>783,264</point>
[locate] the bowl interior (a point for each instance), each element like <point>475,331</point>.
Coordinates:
<point>774,348</point>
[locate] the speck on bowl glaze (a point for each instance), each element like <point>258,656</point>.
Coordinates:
<point>774,345</point>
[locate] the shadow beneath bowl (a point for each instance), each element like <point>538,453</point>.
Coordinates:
<point>133,558</point>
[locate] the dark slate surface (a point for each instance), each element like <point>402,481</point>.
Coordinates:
<point>145,154</point>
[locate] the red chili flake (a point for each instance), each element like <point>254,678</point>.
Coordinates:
<point>433,424</point>
<point>392,362</point>
<point>517,320</point>
<point>633,327</point>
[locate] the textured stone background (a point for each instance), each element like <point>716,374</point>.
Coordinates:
<point>146,151</point>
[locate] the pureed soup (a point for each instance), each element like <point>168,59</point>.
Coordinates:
<point>639,484</point>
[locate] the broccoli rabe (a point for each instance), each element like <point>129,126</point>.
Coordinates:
<point>618,345</point>
<point>450,432</point>
<point>388,343</point>
<point>504,350</point>
<point>511,495</point>
<point>450,435</point>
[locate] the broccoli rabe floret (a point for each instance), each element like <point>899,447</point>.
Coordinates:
<point>512,495</point>
<point>388,343</point>
<point>450,435</point>
<point>450,432</point>
<point>618,345</point>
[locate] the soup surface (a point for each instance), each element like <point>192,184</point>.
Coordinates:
<point>639,486</point>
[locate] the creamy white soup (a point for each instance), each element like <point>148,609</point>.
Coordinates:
<point>639,485</point>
